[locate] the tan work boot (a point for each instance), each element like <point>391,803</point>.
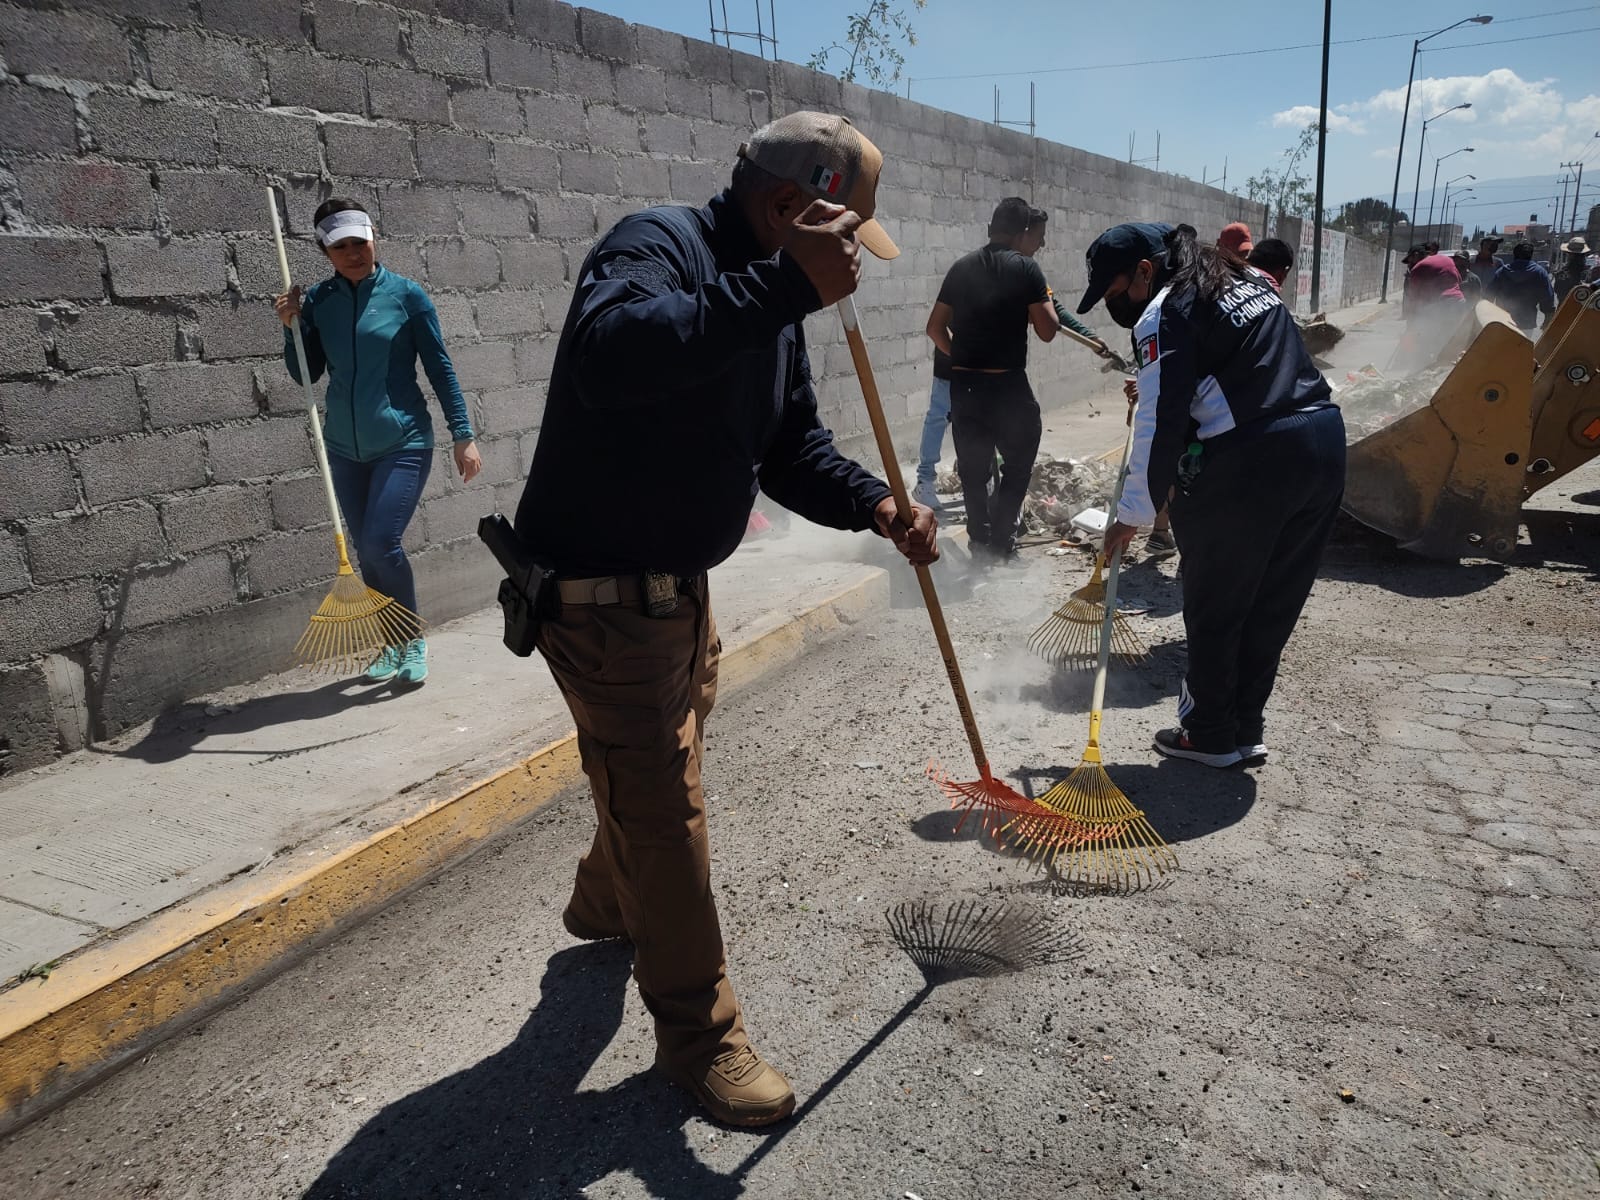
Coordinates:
<point>739,1088</point>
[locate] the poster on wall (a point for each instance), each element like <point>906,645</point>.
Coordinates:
<point>1333,250</point>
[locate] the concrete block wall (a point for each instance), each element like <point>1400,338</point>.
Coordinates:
<point>161,532</point>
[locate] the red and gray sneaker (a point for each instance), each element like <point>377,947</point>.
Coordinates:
<point>1254,753</point>
<point>1175,743</point>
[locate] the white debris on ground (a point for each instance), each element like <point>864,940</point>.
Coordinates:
<point>1061,488</point>
<point>1058,490</point>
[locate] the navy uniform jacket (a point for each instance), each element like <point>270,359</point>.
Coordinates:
<point>680,386</point>
<point>1207,367</point>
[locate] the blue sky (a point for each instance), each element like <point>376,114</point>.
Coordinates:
<point>1532,77</point>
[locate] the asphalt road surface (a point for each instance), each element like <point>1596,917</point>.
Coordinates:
<point>1375,974</point>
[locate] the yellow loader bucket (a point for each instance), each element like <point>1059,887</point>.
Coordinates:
<point>1446,480</point>
<point>1566,390</point>
<point>1449,480</point>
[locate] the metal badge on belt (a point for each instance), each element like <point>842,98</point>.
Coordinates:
<point>660,594</point>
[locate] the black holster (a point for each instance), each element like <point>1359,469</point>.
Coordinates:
<point>528,594</point>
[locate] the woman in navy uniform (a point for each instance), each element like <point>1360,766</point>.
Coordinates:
<point>1231,410</point>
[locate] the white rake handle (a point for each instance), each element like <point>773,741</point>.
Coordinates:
<point>305,382</point>
<point>1108,624</point>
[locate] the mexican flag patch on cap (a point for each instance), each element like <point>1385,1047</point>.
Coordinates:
<point>826,180</point>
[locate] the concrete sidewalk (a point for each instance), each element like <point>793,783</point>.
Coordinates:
<point>238,779</point>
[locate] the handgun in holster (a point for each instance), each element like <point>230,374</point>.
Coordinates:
<point>528,594</point>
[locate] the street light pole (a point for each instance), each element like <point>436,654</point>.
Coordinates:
<point>1400,150</point>
<point>1322,156</point>
<point>1434,187</point>
<point>1444,205</point>
<point>1422,146</point>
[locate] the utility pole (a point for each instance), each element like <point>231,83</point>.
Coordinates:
<point>1322,153</point>
<point>1577,206</point>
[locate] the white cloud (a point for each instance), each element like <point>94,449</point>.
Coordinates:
<point>1387,152</point>
<point>1302,115</point>
<point>1499,98</point>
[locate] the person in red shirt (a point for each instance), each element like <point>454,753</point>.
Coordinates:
<point>1434,305</point>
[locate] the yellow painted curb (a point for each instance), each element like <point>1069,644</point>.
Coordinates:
<point>112,1001</point>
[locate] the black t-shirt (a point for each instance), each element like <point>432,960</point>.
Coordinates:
<point>941,364</point>
<point>989,292</point>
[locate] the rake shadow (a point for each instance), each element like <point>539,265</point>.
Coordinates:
<point>948,942</point>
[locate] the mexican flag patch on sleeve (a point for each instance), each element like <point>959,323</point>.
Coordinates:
<point>1149,351</point>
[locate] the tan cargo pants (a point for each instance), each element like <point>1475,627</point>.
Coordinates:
<point>640,689</point>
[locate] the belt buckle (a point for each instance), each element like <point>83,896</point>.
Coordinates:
<point>660,594</point>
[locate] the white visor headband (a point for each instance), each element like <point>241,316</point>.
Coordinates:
<point>335,227</point>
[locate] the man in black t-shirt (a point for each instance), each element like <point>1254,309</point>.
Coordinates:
<point>987,303</point>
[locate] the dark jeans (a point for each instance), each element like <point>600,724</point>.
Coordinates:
<point>1252,529</point>
<point>378,500</point>
<point>989,413</point>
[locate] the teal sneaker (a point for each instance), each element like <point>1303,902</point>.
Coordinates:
<point>385,666</point>
<point>414,662</point>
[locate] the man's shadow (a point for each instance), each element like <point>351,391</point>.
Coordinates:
<point>518,1125</point>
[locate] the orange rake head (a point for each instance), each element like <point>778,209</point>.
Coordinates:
<point>1003,811</point>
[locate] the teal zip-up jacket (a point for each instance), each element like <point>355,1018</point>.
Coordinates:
<point>368,338</point>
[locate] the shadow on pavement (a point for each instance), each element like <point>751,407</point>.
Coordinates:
<point>1182,801</point>
<point>179,731</point>
<point>1357,554</point>
<point>517,1123</point>
<point>1563,541</point>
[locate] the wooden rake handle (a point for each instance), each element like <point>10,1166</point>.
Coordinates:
<point>902,503</point>
<point>1115,359</point>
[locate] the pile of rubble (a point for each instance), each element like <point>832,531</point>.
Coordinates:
<point>1058,490</point>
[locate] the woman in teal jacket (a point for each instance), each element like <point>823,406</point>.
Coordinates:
<point>367,328</point>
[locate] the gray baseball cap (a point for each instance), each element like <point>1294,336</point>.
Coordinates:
<point>830,159</point>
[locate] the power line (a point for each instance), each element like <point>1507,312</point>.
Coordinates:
<point>1161,62</point>
<point>1498,203</point>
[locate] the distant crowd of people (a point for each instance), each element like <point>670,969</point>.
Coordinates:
<point>1438,285</point>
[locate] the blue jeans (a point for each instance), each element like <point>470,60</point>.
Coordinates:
<point>378,500</point>
<point>933,428</point>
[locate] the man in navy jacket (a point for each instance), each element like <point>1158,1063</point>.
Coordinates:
<point>680,387</point>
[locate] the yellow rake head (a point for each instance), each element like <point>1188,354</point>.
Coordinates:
<point>353,624</point>
<point>1125,854</point>
<point>1070,636</point>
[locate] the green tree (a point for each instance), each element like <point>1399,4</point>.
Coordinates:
<point>1357,215</point>
<point>1286,189</point>
<point>871,45</point>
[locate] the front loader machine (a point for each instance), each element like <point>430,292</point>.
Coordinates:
<point>1448,479</point>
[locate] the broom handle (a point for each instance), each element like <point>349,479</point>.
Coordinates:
<point>1108,623</point>
<point>305,384</point>
<point>902,503</point>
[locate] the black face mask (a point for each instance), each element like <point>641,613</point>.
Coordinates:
<point>1125,310</point>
